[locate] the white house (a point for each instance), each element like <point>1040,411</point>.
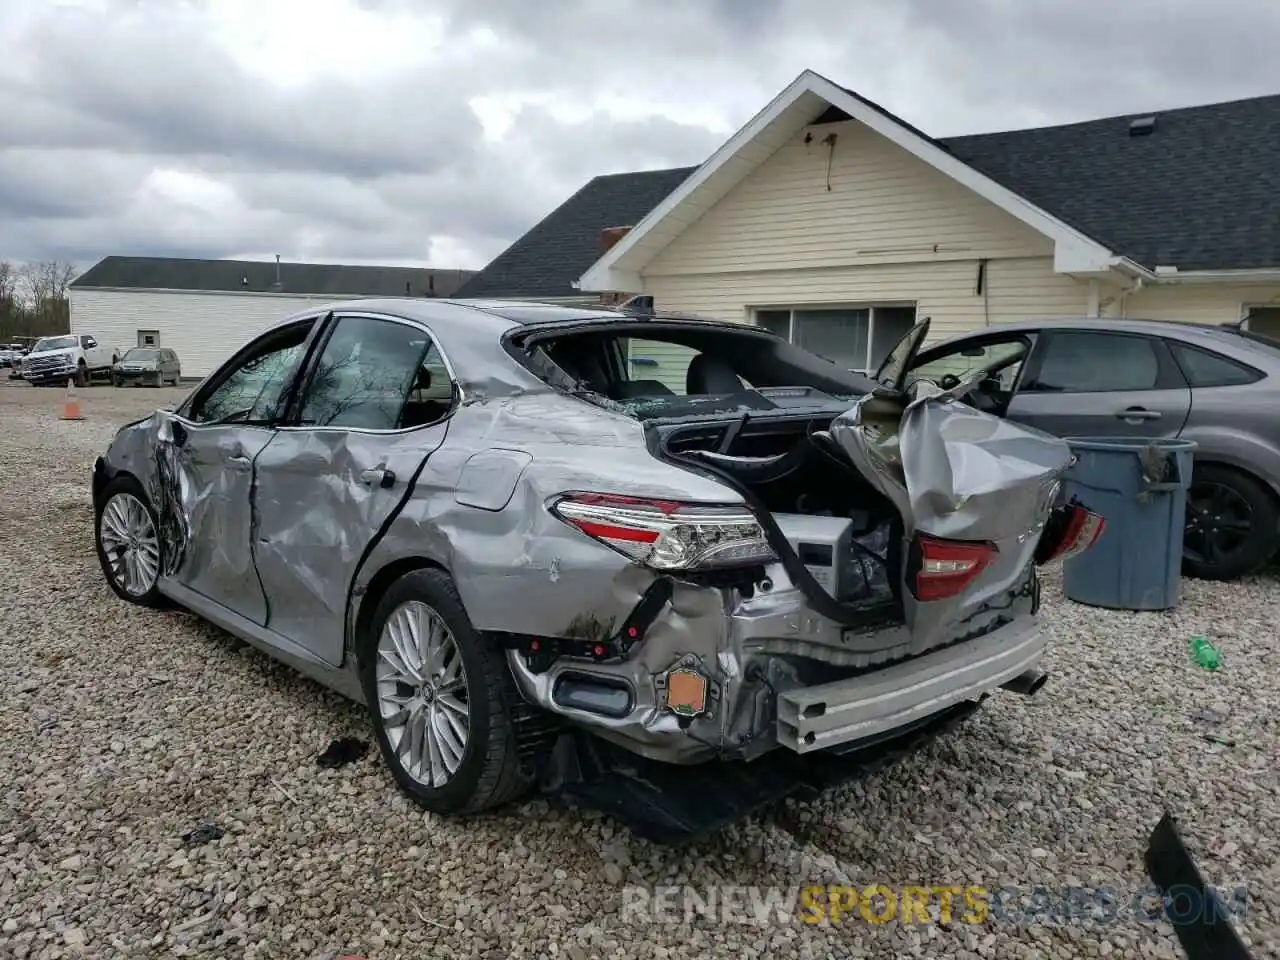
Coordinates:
<point>831,220</point>
<point>206,309</point>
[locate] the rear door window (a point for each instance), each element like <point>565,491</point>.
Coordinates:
<point>376,374</point>
<point>1096,362</point>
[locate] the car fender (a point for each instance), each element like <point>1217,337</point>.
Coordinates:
<point>1237,448</point>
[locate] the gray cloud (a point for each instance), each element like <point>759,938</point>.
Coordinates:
<point>136,131</point>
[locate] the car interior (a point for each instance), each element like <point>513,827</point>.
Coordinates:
<point>718,364</point>
<point>991,370</point>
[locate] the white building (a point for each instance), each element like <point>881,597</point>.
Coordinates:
<point>207,309</point>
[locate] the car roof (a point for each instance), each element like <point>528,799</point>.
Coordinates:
<point>1179,328</point>
<point>1221,337</point>
<point>505,314</point>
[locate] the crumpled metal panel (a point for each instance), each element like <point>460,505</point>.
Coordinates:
<point>321,496</point>
<point>954,471</point>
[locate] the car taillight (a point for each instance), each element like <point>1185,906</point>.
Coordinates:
<point>665,534</point>
<point>1071,530</point>
<point>946,568</point>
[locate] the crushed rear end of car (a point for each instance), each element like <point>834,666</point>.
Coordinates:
<point>870,568</point>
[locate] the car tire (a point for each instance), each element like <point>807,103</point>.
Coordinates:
<point>1241,497</point>
<point>489,771</point>
<point>117,510</point>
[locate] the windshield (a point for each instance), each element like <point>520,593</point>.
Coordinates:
<point>142,353</point>
<point>54,343</point>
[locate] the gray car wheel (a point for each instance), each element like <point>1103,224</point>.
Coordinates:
<point>128,542</point>
<point>438,695</point>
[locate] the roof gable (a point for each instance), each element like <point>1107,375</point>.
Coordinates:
<point>566,242</point>
<point>258,276</point>
<point>1194,194</point>
<point>804,101</point>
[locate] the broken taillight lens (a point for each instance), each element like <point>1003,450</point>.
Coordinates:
<point>1070,530</point>
<point>947,568</point>
<point>665,534</point>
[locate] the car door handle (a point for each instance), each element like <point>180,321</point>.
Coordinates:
<point>379,476</point>
<point>1138,413</point>
<point>239,463</point>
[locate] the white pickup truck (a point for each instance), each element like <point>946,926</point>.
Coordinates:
<point>71,356</point>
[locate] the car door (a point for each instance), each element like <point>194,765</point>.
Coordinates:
<point>368,415</point>
<point>1101,383</point>
<point>205,463</point>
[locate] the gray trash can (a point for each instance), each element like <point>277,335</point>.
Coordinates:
<point>1139,486</point>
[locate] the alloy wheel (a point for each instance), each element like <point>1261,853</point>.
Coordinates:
<point>130,543</point>
<point>1219,521</point>
<point>423,700</point>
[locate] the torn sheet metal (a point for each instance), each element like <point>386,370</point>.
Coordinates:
<point>951,470</point>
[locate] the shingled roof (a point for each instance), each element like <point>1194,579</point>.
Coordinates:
<point>546,260</point>
<point>258,276</point>
<point>1197,192</point>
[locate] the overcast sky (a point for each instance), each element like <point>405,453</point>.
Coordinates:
<point>437,131</point>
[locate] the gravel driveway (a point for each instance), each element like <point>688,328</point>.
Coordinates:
<point>123,730</point>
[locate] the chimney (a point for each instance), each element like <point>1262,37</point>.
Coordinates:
<point>610,236</point>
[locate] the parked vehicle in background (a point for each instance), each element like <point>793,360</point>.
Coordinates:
<point>155,366</point>
<point>9,352</point>
<point>471,517</point>
<point>1218,386</point>
<point>77,357</point>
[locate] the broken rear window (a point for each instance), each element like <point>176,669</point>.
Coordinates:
<point>675,368</point>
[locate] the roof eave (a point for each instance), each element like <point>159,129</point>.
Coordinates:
<point>1137,270</point>
<point>1074,252</point>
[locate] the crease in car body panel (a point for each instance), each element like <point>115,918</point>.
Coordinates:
<point>322,496</point>
<point>199,480</point>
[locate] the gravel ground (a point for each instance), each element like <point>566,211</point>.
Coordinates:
<point>122,730</point>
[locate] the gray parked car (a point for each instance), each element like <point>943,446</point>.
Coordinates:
<point>147,365</point>
<point>1218,386</point>
<point>472,518</point>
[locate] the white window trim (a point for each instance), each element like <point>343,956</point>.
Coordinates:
<point>1248,306</point>
<point>871,308</point>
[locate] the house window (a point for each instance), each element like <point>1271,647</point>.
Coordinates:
<point>855,337</point>
<point>1264,320</point>
<point>148,338</point>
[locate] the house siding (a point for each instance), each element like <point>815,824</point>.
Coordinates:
<point>1207,303</point>
<point>203,328</point>
<point>884,205</point>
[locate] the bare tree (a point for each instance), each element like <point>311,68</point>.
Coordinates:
<point>42,286</point>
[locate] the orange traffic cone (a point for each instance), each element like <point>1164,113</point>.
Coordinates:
<point>70,406</point>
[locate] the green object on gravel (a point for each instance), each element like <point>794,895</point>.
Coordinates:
<point>1205,654</point>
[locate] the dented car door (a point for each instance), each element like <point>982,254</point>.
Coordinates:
<point>369,414</point>
<point>205,475</point>
<point>203,481</point>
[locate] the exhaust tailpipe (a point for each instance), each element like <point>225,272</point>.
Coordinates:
<point>1027,683</point>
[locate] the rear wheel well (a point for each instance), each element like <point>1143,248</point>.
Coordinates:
<point>382,580</point>
<point>1242,471</point>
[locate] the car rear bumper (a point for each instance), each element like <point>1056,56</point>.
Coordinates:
<point>889,698</point>
<point>136,376</point>
<point>709,674</point>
